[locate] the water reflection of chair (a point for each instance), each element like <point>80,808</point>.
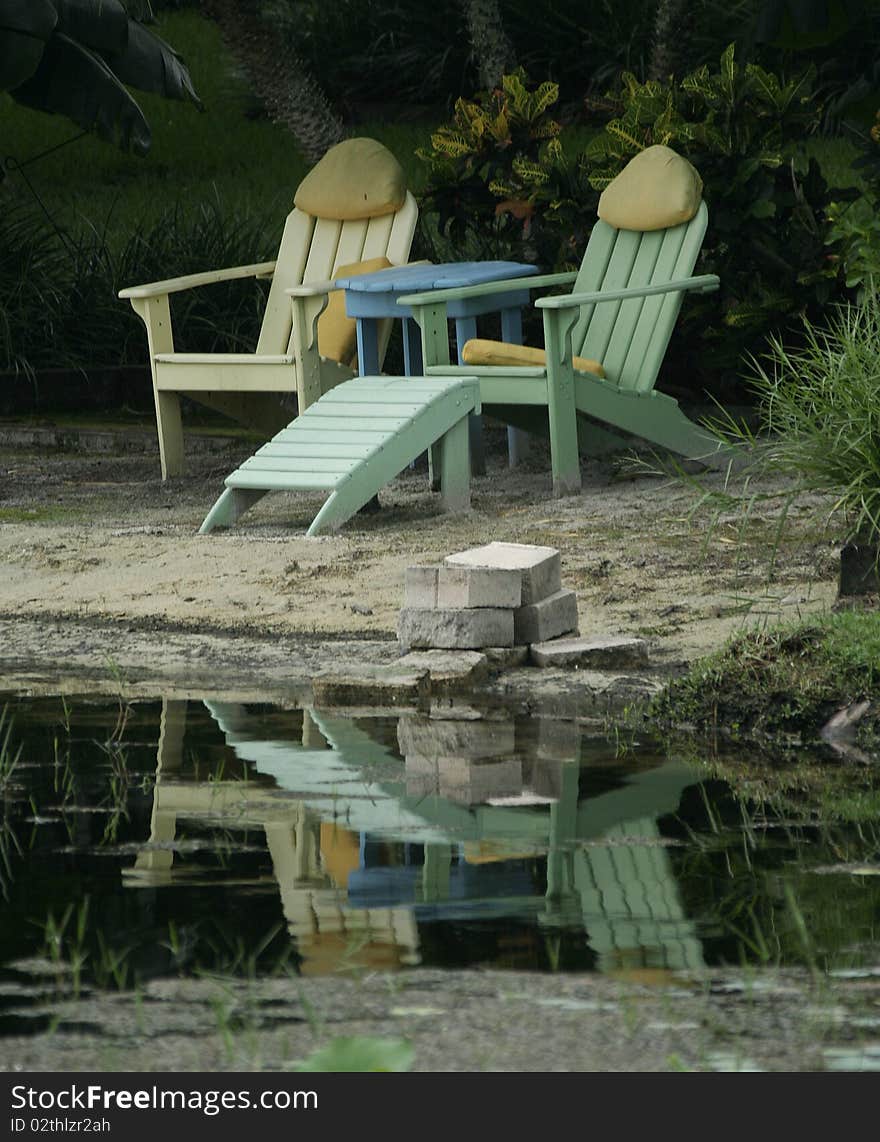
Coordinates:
<point>310,858</point>
<point>471,793</point>
<point>619,885</point>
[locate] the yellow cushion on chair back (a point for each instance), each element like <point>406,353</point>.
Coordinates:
<point>337,332</point>
<point>655,190</point>
<point>358,178</point>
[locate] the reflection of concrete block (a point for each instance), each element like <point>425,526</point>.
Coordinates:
<point>555,615</point>
<point>454,738</point>
<point>592,653</point>
<point>422,776</point>
<point>544,777</point>
<point>478,587</point>
<point>447,629</point>
<point>557,739</point>
<point>539,568</point>
<point>474,782</point>
<point>420,586</point>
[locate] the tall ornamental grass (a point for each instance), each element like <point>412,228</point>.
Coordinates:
<point>58,287</point>
<point>819,415</point>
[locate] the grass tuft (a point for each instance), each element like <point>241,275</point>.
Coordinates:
<point>787,680</point>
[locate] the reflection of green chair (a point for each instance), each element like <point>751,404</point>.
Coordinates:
<point>608,871</point>
<point>605,341</point>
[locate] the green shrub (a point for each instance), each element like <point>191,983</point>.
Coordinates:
<point>499,181</point>
<point>854,238</point>
<point>819,405</point>
<point>787,679</point>
<point>504,181</point>
<point>59,288</point>
<point>743,128</point>
<point>855,227</point>
<point>819,426</point>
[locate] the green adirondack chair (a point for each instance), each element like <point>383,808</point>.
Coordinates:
<point>605,341</point>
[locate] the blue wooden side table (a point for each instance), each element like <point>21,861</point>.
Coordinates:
<point>371,297</point>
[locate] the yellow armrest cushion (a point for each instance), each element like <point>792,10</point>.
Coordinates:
<point>337,332</point>
<point>480,352</point>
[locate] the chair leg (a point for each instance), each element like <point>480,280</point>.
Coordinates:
<point>561,411</point>
<point>564,454</point>
<point>231,505</point>
<point>170,429</point>
<point>670,428</point>
<point>455,470</point>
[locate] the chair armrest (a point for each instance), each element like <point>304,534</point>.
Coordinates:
<point>485,288</point>
<point>703,284</point>
<point>311,289</point>
<point>192,281</point>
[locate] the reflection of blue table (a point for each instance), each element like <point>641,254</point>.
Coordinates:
<point>371,297</point>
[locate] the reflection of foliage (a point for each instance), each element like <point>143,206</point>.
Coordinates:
<point>9,757</point>
<point>769,875</point>
<point>360,1053</point>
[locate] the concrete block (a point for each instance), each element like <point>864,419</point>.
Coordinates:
<point>478,587</point>
<point>449,669</point>
<point>506,657</point>
<point>463,738</point>
<point>420,585</point>
<point>540,568</point>
<point>373,686</point>
<point>619,653</point>
<point>449,629</point>
<point>546,619</point>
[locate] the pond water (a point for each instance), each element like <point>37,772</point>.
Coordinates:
<point>170,837</point>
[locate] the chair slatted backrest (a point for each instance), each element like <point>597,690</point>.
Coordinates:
<point>630,337</point>
<point>312,250</point>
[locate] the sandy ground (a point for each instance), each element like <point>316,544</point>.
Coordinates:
<point>103,567</point>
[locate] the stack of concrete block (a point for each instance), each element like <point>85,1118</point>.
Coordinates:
<point>467,760</point>
<point>498,595</point>
<point>471,759</point>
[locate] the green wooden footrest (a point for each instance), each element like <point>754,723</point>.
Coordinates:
<point>353,440</point>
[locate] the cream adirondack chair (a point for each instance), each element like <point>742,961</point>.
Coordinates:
<point>352,214</point>
<point>605,341</point>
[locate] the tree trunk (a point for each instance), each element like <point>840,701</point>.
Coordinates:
<point>670,40</point>
<point>859,570</point>
<point>490,46</point>
<point>278,76</point>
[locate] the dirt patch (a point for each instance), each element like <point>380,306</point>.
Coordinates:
<point>640,1020</point>
<point>98,543</point>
